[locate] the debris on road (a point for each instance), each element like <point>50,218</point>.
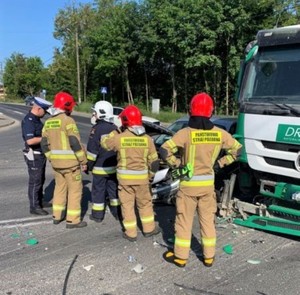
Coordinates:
<point>88,267</point>
<point>253,261</point>
<point>32,242</point>
<point>138,268</point>
<point>228,249</point>
<point>131,258</point>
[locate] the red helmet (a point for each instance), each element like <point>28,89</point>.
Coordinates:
<point>64,101</point>
<point>131,116</point>
<point>201,105</point>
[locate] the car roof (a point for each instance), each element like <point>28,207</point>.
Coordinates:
<point>221,122</point>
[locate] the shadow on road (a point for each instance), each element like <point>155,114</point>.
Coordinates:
<point>165,216</point>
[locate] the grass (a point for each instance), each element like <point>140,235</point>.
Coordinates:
<point>163,116</point>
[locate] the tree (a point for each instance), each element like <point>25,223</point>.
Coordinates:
<point>23,76</point>
<point>115,40</point>
<point>71,27</point>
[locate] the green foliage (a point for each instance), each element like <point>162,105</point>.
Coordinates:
<point>84,107</point>
<point>149,49</point>
<point>24,76</point>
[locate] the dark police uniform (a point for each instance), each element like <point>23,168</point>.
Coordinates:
<point>103,164</point>
<point>36,161</point>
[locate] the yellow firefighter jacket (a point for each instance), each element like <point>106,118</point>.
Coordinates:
<point>201,149</point>
<point>61,142</point>
<point>136,156</point>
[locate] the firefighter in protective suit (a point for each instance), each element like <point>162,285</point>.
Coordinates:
<point>200,143</point>
<point>62,147</point>
<point>103,164</point>
<point>137,163</point>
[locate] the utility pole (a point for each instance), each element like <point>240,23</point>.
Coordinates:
<point>78,66</point>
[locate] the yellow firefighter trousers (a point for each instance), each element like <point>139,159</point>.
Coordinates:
<point>206,206</point>
<point>67,194</point>
<point>139,194</point>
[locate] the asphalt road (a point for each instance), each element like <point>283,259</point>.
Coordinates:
<point>96,260</point>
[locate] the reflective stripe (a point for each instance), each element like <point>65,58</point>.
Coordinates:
<point>229,159</point>
<point>146,152</point>
<point>62,152</point>
<point>58,207</point>
<point>138,177</point>
<point>62,157</point>
<point>182,242</point>
<point>104,170</point>
<point>153,156</point>
<point>114,202</point>
<point>129,224</point>
<point>63,140</point>
<point>73,212</point>
<point>91,156</point>
<point>209,242</point>
<point>192,153</point>
<point>172,146</point>
<point>216,153</point>
<point>132,172</point>
<point>73,127</point>
<point>202,177</point>
<point>197,183</point>
<point>98,207</point>
<point>148,219</point>
<point>79,154</point>
<point>123,161</point>
<point>199,180</point>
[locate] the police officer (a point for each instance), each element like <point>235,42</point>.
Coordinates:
<point>201,143</point>
<point>36,161</point>
<point>137,163</point>
<point>62,147</point>
<point>103,164</point>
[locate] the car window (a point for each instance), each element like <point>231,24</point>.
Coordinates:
<point>176,126</point>
<point>117,111</point>
<point>220,126</point>
<point>161,139</point>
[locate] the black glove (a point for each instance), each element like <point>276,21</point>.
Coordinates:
<point>183,171</point>
<point>217,167</point>
<point>90,165</point>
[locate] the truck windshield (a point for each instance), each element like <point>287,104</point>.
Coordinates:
<point>273,76</point>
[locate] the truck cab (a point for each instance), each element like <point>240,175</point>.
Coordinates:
<point>269,128</point>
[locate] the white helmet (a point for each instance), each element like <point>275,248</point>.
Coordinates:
<point>103,110</point>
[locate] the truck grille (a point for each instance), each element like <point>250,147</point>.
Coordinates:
<point>279,162</point>
<point>292,148</point>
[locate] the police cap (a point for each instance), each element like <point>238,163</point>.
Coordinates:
<point>42,103</point>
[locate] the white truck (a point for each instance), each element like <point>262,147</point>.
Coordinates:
<point>269,129</point>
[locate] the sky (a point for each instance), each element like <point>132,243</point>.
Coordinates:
<point>27,26</point>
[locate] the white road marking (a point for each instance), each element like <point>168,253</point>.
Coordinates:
<point>10,223</point>
<point>17,112</point>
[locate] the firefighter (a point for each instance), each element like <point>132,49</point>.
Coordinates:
<point>137,163</point>
<point>62,147</point>
<point>35,159</point>
<point>103,164</point>
<point>200,144</point>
